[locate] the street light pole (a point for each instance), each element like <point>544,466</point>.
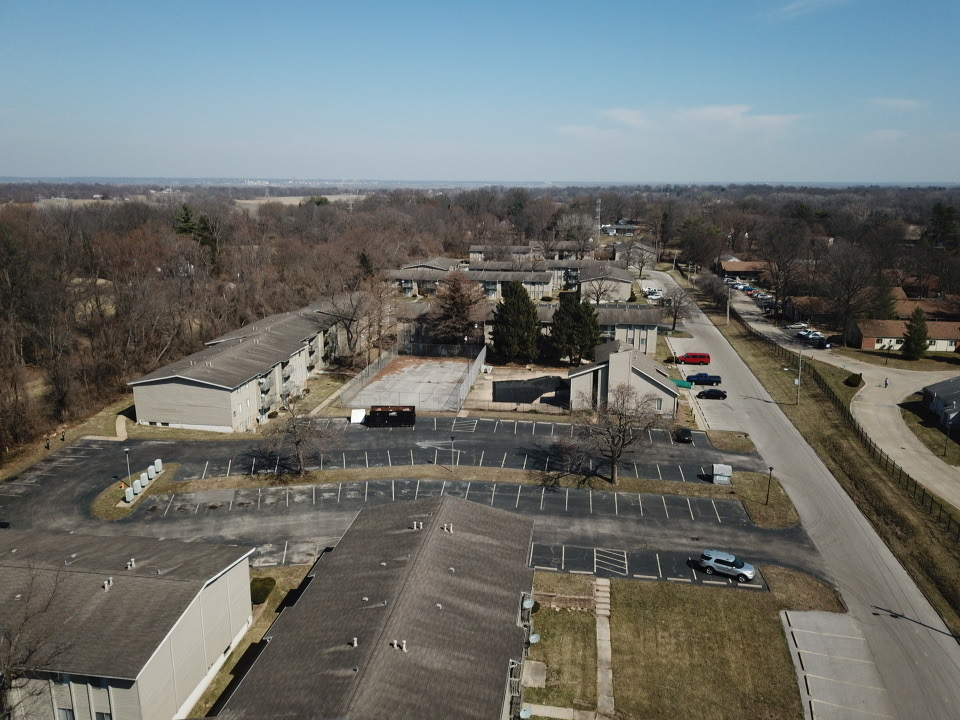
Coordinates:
<point>127,451</point>
<point>451,453</point>
<point>769,480</point>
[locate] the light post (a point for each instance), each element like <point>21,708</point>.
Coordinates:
<point>946,440</point>
<point>769,481</point>
<point>451,453</point>
<point>127,451</point>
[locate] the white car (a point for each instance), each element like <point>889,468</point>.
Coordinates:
<point>796,326</point>
<point>650,290</point>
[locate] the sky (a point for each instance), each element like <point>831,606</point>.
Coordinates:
<point>522,91</point>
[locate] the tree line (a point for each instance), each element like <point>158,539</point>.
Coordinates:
<point>95,294</point>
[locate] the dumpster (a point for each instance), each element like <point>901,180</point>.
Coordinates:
<point>392,416</point>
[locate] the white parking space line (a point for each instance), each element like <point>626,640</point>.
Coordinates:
<point>411,456</point>
<point>493,494</point>
<point>284,559</point>
<point>682,478</point>
<point>366,489</point>
<point>659,474</point>
<point>616,509</point>
<point>666,512</point>
<point>467,493</point>
<point>504,461</point>
<point>416,493</point>
<point>339,488</point>
<point>690,508</point>
<point>205,466</point>
<point>659,569</point>
<point>481,457</point>
<point>542,491</point>
<point>591,501</point>
<point>714,503</point>
<point>443,487</point>
<point>518,496</point>
<point>566,502</point>
<point>636,473</point>
<point>640,502</point>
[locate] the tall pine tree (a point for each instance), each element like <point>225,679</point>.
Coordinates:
<point>516,326</point>
<point>576,329</point>
<point>915,338</point>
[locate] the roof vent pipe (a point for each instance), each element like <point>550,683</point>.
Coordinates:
<point>110,579</point>
<point>450,527</point>
<point>106,585</point>
<point>354,642</point>
<point>133,563</point>
<point>404,646</point>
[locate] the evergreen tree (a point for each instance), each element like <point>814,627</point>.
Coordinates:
<point>915,338</point>
<point>943,229</point>
<point>184,223</point>
<point>576,329</point>
<point>455,310</point>
<point>516,326</point>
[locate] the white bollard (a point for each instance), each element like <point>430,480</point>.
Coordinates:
<point>136,487</point>
<point>158,464</point>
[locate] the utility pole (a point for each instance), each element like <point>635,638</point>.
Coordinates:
<point>769,480</point>
<point>728,304</point>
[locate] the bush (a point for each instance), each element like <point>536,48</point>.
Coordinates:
<point>546,299</point>
<point>854,380</point>
<point>272,414</point>
<point>632,298</point>
<point>260,589</point>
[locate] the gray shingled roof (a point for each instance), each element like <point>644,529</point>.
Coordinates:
<point>105,633</point>
<point>605,272</point>
<point>246,353</point>
<point>454,597</point>
<point>610,314</point>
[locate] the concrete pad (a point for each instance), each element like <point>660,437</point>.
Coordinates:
<point>534,674</point>
<point>835,669</point>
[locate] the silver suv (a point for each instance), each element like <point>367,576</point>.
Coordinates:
<point>714,561</point>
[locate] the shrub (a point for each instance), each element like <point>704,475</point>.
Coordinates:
<point>272,414</point>
<point>854,380</point>
<point>260,589</point>
<point>546,299</point>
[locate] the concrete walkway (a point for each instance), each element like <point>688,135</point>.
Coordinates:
<point>605,706</point>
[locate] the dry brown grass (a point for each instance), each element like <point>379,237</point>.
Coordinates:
<point>731,441</point>
<point>676,645</point>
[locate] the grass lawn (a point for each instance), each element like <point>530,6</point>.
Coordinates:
<point>679,651</point>
<point>926,427</point>
<point>287,578</point>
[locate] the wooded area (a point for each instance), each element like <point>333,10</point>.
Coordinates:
<point>94,294</point>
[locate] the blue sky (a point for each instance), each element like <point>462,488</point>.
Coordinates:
<point>517,91</point>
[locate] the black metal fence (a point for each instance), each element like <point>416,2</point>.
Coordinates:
<point>942,513</point>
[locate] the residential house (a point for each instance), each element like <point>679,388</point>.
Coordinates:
<point>605,283</point>
<point>943,400</point>
<point>889,334</point>
<point>123,628</point>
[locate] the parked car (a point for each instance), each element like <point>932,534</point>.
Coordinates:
<point>683,435</point>
<point>712,394</point>
<point>721,563</point>
<point>648,290</point>
<point>796,326</point>
<point>704,379</point>
<point>803,333</point>
<point>693,359</point>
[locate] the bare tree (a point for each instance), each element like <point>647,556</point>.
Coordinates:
<point>295,437</point>
<point>676,305</point>
<point>637,255</point>
<point>599,289</point>
<point>578,229</point>
<point>564,459</point>
<point>30,639</point>
<point>619,423</point>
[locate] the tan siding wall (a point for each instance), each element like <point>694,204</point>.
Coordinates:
<point>188,653</point>
<point>182,403</point>
<point>99,700</point>
<point>81,702</point>
<point>214,604</point>
<point>156,686</point>
<point>238,581</point>
<point>36,702</point>
<point>125,702</point>
<point>62,696</point>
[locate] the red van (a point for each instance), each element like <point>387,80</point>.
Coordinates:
<point>694,359</point>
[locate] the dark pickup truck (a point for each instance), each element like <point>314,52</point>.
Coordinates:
<point>703,379</point>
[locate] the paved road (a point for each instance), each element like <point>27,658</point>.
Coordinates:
<point>916,657</point>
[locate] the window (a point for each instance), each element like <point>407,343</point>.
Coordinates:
<point>103,716</point>
<point>65,714</point>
